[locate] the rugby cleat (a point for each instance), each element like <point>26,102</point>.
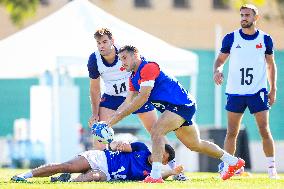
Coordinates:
<point>230,171</point>
<point>17,178</point>
<point>149,179</point>
<point>180,177</point>
<point>64,177</point>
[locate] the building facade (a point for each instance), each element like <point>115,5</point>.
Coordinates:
<point>184,23</point>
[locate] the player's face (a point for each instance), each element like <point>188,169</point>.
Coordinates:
<point>128,60</point>
<point>165,160</point>
<point>248,18</point>
<point>105,45</point>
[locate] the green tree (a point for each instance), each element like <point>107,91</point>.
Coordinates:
<point>20,10</point>
<point>238,3</point>
<point>281,9</point>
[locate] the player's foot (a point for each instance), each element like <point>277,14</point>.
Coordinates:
<point>149,179</point>
<point>230,171</point>
<point>17,178</point>
<point>64,177</point>
<point>272,173</point>
<point>180,177</point>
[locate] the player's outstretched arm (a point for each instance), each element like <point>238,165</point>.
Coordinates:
<point>120,146</point>
<point>134,105</point>
<point>179,169</point>
<point>130,96</point>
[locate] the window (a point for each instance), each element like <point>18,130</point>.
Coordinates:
<point>44,2</point>
<point>181,3</point>
<point>220,4</point>
<point>142,3</point>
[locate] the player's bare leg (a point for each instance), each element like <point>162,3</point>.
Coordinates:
<point>262,119</point>
<point>91,175</point>
<point>190,137</point>
<point>264,130</point>
<point>234,123</point>
<point>77,165</point>
<point>148,119</point>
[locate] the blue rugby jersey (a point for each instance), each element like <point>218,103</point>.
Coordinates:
<point>166,89</point>
<point>129,166</point>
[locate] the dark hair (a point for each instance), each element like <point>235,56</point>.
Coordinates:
<point>250,6</point>
<point>128,48</point>
<point>103,31</point>
<point>169,149</point>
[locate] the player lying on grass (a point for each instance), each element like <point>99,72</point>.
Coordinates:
<point>122,162</point>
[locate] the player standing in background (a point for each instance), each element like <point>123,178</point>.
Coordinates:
<point>251,65</point>
<point>106,65</point>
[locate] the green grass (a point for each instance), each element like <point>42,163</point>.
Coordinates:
<point>197,180</point>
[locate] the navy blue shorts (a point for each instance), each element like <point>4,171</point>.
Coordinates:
<point>113,102</point>
<point>185,111</point>
<point>255,103</point>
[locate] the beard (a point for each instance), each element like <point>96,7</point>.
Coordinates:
<point>105,52</point>
<point>246,24</point>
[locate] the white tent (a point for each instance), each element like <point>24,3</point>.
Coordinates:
<point>69,33</point>
<point>66,38</point>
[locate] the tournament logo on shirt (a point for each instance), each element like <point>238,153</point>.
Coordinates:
<point>238,46</point>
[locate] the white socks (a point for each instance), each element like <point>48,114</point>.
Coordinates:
<point>26,175</point>
<point>156,172</point>
<point>229,159</point>
<point>172,164</point>
<point>271,162</point>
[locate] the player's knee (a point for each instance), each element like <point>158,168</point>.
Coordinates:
<point>66,167</point>
<point>265,133</point>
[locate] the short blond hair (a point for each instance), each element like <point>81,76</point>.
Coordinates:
<point>250,6</point>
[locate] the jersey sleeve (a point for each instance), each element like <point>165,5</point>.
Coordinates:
<point>227,43</point>
<point>149,73</point>
<point>138,146</point>
<point>268,44</point>
<point>93,67</point>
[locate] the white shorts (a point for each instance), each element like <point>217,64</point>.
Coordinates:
<point>97,161</point>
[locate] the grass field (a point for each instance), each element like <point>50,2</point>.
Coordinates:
<point>197,180</point>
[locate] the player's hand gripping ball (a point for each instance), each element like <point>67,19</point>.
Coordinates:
<point>102,132</point>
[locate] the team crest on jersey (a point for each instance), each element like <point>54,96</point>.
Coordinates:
<point>258,46</point>
<point>238,46</point>
<point>122,68</point>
